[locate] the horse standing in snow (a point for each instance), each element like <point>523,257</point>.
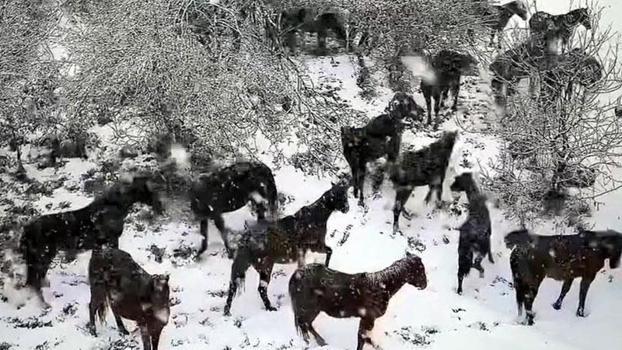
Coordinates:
<point>497,17</point>
<point>475,231</point>
<point>285,241</point>
<point>381,137</point>
<point>99,223</point>
<point>426,166</point>
<point>315,288</point>
<point>132,293</point>
<point>545,26</point>
<point>448,67</point>
<point>230,189</point>
<point>562,258</point>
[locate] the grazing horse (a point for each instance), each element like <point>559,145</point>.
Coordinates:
<point>426,166</point>
<point>316,288</point>
<point>546,26</point>
<point>568,70</point>
<point>132,293</point>
<point>306,20</point>
<point>448,67</point>
<point>562,258</point>
<point>285,241</point>
<point>100,222</point>
<point>381,137</point>
<point>230,189</point>
<point>475,231</point>
<point>498,16</point>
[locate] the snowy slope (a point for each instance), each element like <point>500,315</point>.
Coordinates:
<point>435,318</point>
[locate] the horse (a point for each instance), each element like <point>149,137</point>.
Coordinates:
<point>546,26</point>
<point>426,166</point>
<point>572,68</point>
<point>381,137</point>
<point>230,189</point>
<point>496,17</point>
<point>510,67</point>
<point>448,67</point>
<point>306,20</point>
<point>117,280</point>
<point>285,241</point>
<point>475,231</point>
<point>316,288</point>
<point>100,222</point>
<point>562,258</point>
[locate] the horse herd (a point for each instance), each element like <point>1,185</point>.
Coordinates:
<point>116,279</point>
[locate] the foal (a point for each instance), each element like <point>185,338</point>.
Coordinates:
<point>230,189</point>
<point>285,241</point>
<point>100,222</point>
<point>381,137</point>
<point>546,26</point>
<point>475,231</point>
<point>117,280</point>
<point>448,67</point>
<point>426,166</point>
<point>316,288</point>
<point>562,258</point>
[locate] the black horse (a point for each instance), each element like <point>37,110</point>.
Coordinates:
<point>546,26</point>
<point>573,68</point>
<point>475,231</point>
<point>381,137</point>
<point>316,288</point>
<point>230,189</point>
<point>117,280</point>
<point>100,222</point>
<point>496,17</point>
<point>426,166</point>
<point>562,258</point>
<point>300,20</point>
<point>285,241</point>
<point>448,67</point>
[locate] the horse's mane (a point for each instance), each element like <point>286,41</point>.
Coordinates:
<point>393,272</point>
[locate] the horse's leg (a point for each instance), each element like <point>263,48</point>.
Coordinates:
<point>565,288</point>
<point>437,108</point>
<point>530,296</point>
<point>362,168</point>
<point>146,338</point>
<point>241,263</point>
<point>119,322</point>
<point>203,231</point>
<point>97,301</point>
<point>520,290</point>
<point>585,285</point>
<point>428,105</point>
<point>290,38</point>
<point>365,326</point>
<point>455,91</point>
<point>329,253</point>
<point>40,269</point>
<point>155,336</point>
<point>265,273</point>
<point>301,257</point>
<point>401,197</point>
<point>318,337</point>
<point>477,264</point>
<point>321,40</point>
<point>220,224</point>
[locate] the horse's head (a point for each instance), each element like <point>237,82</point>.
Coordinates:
<point>159,296</point>
<point>416,272</point>
<point>142,190</point>
<point>403,105</point>
<point>582,16</point>
<point>517,237</point>
<point>449,139</point>
<point>610,242</point>
<point>520,8</point>
<point>462,183</point>
<point>338,195</point>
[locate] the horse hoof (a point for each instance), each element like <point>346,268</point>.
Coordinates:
<point>557,306</point>
<point>271,308</point>
<point>227,313</point>
<point>580,313</point>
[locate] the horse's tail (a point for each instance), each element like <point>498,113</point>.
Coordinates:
<point>465,256</point>
<point>273,200</point>
<point>519,276</point>
<point>293,287</point>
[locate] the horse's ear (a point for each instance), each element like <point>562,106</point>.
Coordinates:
<point>409,254</point>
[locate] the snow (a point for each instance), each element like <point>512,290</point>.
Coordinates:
<point>484,317</point>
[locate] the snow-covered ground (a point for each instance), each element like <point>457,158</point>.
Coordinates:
<point>484,317</point>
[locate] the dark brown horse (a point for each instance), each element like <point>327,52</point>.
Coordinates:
<point>545,26</point>
<point>562,258</point>
<point>424,167</point>
<point>381,137</point>
<point>475,232</point>
<point>99,223</point>
<point>285,241</point>
<point>132,293</point>
<point>230,189</point>
<point>316,288</point>
<point>497,17</point>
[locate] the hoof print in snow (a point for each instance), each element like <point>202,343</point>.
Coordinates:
<point>410,336</point>
<point>70,309</point>
<point>482,326</point>
<point>445,239</point>
<point>158,253</point>
<point>180,320</point>
<point>238,322</point>
<point>416,245</point>
<point>31,323</point>
<point>457,310</point>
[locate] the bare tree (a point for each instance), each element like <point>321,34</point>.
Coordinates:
<point>562,137</point>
